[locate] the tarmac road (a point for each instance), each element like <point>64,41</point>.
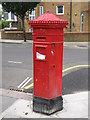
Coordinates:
<point>17,67</point>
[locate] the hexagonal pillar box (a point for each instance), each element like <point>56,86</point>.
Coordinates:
<point>47,63</point>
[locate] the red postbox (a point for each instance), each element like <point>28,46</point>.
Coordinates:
<point>47,63</point>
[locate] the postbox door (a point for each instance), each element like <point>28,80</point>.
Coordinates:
<point>40,71</point>
<point>48,70</point>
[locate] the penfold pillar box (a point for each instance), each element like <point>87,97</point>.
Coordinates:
<point>47,63</point>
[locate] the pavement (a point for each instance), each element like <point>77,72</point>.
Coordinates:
<point>75,106</point>
<point>81,45</point>
<point>15,41</point>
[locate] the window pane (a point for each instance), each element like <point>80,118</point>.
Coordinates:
<point>33,17</point>
<point>41,10</point>
<point>30,17</point>
<point>82,18</point>
<point>12,16</point>
<point>6,16</point>
<point>60,9</point>
<point>32,12</point>
<point>31,30</point>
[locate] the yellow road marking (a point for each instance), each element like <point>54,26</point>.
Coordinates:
<point>67,69</point>
<point>29,86</point>
<point>73,67</point>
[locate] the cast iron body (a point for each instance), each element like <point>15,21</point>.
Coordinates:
<point>47,62</point>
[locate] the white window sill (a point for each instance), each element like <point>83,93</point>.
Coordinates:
<point>59,13</point>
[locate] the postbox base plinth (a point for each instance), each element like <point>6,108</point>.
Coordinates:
<point>47,106</point>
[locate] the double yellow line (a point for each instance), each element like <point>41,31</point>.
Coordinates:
<point>29,86</point>
<point>65,70</point>
<point>74,67</point>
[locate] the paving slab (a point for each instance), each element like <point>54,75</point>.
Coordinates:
<point>75,106</point>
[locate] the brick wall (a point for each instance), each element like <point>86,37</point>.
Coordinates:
<point>68,37</point>
<point>89,25</point>
<point>15,35</point>
<point>76,16</point>
<point>27,26</point>
<point>76,36</point>
<point>85,21</point>
<point>51,7</point>
<point>77,7</point>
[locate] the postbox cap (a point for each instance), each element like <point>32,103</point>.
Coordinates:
<point>48,19</point>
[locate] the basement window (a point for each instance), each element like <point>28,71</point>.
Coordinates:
<point>60,10</point>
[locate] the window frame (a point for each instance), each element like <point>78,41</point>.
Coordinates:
<point>57,10</point>
<point>32,15</point>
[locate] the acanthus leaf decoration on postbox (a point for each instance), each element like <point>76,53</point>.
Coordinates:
<point>47,62</point>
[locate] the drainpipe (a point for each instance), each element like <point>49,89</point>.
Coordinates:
<point>70,15</point>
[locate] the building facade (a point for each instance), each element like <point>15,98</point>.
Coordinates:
<point>77,14</point>
<point>11,18</point>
